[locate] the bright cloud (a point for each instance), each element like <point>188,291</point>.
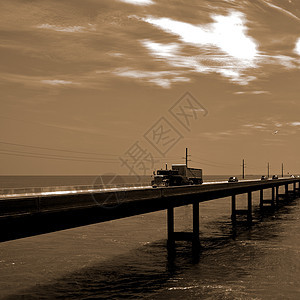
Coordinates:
<point>58,82</point>
<point>228,33</point>
<point>252,92</point>
<point>297,48</point>
<point>224,48</point>
<point>138,2</point>
<point>171,53</point>
<point>163,50</point>
<point>294,124</point>
<point>65,28</point>
<point>163,79</point>
<point>256,126</point>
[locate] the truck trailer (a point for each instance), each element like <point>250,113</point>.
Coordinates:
<point>178,175</point>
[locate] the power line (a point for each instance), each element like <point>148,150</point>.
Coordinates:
<point>56,158</point>
<point>73,151</point>
<point>54,155</point>
<point>55,149</point>
<point>217,163</point>
<point>210,165</point>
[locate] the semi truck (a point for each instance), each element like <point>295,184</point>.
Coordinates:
<point>178,175</point>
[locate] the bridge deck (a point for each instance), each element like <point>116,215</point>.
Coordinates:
<point>38,213</point>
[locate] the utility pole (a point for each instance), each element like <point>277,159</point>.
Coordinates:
<point>243,172</point>
<point>282,170</point>
<point>268,170</point>
<point>186,157</point>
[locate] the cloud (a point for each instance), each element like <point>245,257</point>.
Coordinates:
<point>282,10</point>
<point>162,50</point>
<point>223,46</point>
<point>252,92</point>
<point>270,130</point>
<point>227,134</point>
<point>228,33</point>
<point>58,82</point>
<point>67,28</point>
<point>294,123</point>
<point>274,127</point>
<point>256,126</point>
<point>138,2</point>
<point>286,61</point>
<point>297,48</point>
<point>172,54</point>
<point>163,79</point>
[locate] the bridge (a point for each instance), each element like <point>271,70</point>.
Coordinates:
<point>29,214</point>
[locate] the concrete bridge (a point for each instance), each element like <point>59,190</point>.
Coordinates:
<point>38,212</point>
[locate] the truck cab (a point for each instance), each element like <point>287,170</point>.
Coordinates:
<point>179,175</point>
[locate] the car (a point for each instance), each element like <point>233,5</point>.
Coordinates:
<point>264,177</point>
<point>275,177</point>
<point>293,176</point>
<point>233,179</point>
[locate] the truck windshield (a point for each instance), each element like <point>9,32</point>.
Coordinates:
<point>167,172</point>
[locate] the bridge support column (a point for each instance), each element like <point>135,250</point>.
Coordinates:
<point>196,232</point>
<point>286,191</point>
<point>267,201</point>
<point>233,210</point>
<point>277,195</point>
<point>297,190</point>
<point>249,214</point>
<point>184,236</point>
<point>170,217</point>
<point>261,197</point>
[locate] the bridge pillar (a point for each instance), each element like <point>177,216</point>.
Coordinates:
<point>267,201</point>
<point>249,214</point>
<point>261,197</point>
<point>286,191</point>
<point>184,236</point>
<point>297,190</point>
<point>196,232</point>
<point>170,217</point>
<point>233,210</point>
<point>277,195</point>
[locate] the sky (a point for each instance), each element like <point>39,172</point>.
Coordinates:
<point>125,86</point>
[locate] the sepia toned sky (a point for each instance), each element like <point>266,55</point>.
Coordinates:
<point>84,82</point>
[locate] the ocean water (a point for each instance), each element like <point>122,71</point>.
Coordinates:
<point>128,258</point>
